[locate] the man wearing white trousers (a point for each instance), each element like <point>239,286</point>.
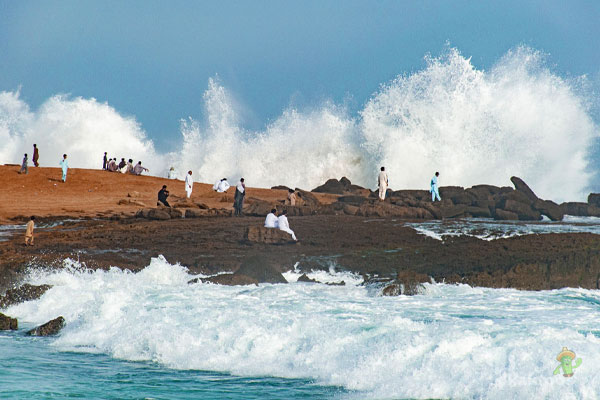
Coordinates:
<point>435,193</point>
<point>189,183</point>
<point>382,181</point>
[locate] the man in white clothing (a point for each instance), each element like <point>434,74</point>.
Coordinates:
<point>189,183</point>
<point>382,181</point>
<point>435,192</point>
<point>221,186</point>
<point>284,224</point>
<point>271,220</point>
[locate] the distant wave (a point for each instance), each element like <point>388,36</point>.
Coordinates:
<point>474,126</point>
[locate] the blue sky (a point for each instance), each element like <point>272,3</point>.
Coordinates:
<point>152,59</point>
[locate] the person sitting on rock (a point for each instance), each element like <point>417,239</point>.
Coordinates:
<point>291,197</point>
<point>221,186</point>
<point>284,225</point>
<point>129,169</point>
<point>122,165</point>
<point>271,220</point>
<point>434,188</point>
<point>138,169</point>
<point>112,165</point>
<point>162,196</point>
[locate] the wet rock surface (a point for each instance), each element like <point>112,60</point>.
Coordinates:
<point>50,328</point>
<point>22,293</point>
<point>7,323</point>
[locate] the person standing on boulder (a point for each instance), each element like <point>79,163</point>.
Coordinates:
<point>434,187</point>
<point>29,231</point>
<point>382,181</point>
<point>65,167</point>
<point>189,183</point>
<point>238,198</point>
<point>36,155</point>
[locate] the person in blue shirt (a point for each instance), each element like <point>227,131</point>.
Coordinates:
<point>65,166</point>
<point>434,187</point>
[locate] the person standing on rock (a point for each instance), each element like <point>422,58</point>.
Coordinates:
<point>29,231</point>
<point>104,162</point>
<point>284,225</point>
<point>65,167</point>
<point>238,198</point>
<point>23,169</point>
<point>292,197</point>
<point>435,193</point>
<point>382,181</point>
<point>271,220</point>
<point>162,196</point>
<point>189,183</point>
<point>36,155</point>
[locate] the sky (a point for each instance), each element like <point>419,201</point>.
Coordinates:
<point>153,59</point>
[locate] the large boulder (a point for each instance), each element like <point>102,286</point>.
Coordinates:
<point>332,186</point>
<point>260,268</point>
<point>483,191</point>
<point>549,208</point>
<point>503,215</point>
<point>454,211</point>
<point>160,214</point>
<point>23,293</point>
<point>575,208</point>
<point>449,191</point>
<point>7,323</point>
<point>478,212</point>
<point>258,208</point>
<point>514,195</point>
<point>407,283</point>
<point>594,199</point>
<point>352,199</point>
<point>197,213</point>
<point>229,280</point>
<point>417,195</point>
<point>523,188</point>
<point>306,198</point>
<point>260,234</point>
<point>523,210</point>
<point>49,328</point>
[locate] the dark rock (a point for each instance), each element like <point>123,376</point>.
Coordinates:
<point>23,293</point>
<point>479,212</point>
<point>260,268</point>
<point>230,280</point>
<point>523,210</point>
<point>449,191</point>
<point>142,213</point>
<point>345,182</point>
<point>514,195</point>
<point>352,199</point>
<point>280,187</point>
<point>550,209</point>
<point>158,214</point>
<point>462,198</point>
<point>202,206</point>
<point>486,189</point>
<point>260,234</point>
<point>332,186</point>
<point>453,211</point>
<point>594,199</point>
<point>503,215</point>
<point>393,289</point>
<point>307,198</point>
<point>305,278</point>
<point>523,188</point>
<point>7,323</point>
<point>418,195</point>
<point>174,213</point>
<point>407,283</point>
<point>489,204</point>
<point>350,209</point>
<point>197,213</point>
<point>575,208</point>
<point>340,283</point>
<point>49,328</point>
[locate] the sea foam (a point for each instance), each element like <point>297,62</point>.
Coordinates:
<point>453,341</point>
<point>474,126</point>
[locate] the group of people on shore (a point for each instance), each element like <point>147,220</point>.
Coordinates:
<point>383,183</point>
<point>279,222</point>
<point>125,167</point>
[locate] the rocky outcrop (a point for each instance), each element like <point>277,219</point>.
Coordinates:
<point>131,202</point>
<point>522,187</point>
<point>305,278</point>
<point>7,323</point>
<point>50,328</point>
<point>407,283</point>
<point>260,234</point>
<point>260,268</point>
<point>333,186</point>
<point>229,280</point>
<point>23,293</point>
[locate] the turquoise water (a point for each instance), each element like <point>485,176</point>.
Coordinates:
<point>31,368</point>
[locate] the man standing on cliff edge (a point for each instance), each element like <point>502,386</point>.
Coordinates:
<point>382,181</point>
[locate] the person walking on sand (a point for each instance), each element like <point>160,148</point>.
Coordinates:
<point>104,162</point>
<point>238,197</point>
<point>435,193</point>
<point>382,181</point>
<point>189,184</point>
<point>24,169</point>
<point>162,196</point>
<point>65,167</point>
<point>284,225</point>
<point>271,220</point>
<point>29,231</point>
<point>36,155</point>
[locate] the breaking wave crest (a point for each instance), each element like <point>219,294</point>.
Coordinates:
<point>474,126</point>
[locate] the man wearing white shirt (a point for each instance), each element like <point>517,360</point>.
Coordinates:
<point>271,220</point>
<point>189,184</point>
<point>284,225</point>
<point>382,181</point>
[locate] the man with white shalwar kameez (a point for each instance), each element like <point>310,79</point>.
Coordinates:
<point>382,181</point>
<point>284,225</point>
<point>221,186</point>
<point>271,220</point>
<point>434,188</point>
<point>65,167</point>
<point>189,183</point>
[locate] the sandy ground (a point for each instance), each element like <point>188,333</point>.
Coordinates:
<point>96,193</point>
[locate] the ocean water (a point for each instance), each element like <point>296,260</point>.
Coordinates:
<point>152,335</point>
<point>474,126</point>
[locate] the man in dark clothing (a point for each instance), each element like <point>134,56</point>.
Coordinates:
<point>104,162</point>
<point>122,163</point>
<point>36,156</point>
<point>162,196</point>
<point>238,198</point>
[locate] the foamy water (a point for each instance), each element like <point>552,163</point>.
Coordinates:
<point>474,126</point>
<point>454,341</point>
